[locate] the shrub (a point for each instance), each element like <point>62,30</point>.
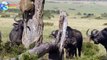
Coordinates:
<point>7,49</point>
<point>90,49</point>
<point>28,56</point>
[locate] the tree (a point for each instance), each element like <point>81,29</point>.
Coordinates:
<point>42,49</point>
<point>34,34</point>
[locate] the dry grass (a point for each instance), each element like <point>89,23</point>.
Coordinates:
<point>5,27</point>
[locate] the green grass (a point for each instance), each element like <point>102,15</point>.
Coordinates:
<point>80,24</point>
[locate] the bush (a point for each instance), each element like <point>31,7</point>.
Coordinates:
<point>12,51</point>
<point>90,49</point>
<point>28,56</point>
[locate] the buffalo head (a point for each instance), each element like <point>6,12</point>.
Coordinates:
<point>95,35</point>
<point>53,34</point>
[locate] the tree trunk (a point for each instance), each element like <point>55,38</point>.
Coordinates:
<point>64,28</point>
<point>63,23</point>
<point>34,34</point>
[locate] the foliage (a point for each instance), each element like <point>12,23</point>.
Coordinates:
<point>11,50</point>
<point>28,56</point>
<point>89,52</point>
<point>90,49</point>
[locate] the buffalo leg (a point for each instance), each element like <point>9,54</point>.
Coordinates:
<point>79,51</point>
<point>67,53</point>
<point>75,52</point>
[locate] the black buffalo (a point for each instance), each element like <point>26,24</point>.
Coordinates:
<point>98,36</point>
<point>15,35</point>
<point>54,53</point>
<point>72,43</point>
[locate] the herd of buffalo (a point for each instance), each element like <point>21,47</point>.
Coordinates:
<point>73,42</point>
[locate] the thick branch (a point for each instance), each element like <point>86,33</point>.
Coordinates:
<point>36,51</point>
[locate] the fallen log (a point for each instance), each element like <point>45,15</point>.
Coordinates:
<point>40,51</point>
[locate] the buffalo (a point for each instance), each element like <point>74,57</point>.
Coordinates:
<point>99,37</point>
<point>73,41</point>
<point>54,53</point>
<point>15,35</point>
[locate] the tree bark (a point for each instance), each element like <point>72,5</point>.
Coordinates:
<point>35,32</point>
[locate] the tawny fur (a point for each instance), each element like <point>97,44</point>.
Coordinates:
<point>26,5</point>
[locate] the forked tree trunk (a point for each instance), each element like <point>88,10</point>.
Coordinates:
<point>34,34</point>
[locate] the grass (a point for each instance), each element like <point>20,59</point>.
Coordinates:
<point>76,23</point>
<point>5,27</point>
<point>74,7</point>
<point>80,24</point>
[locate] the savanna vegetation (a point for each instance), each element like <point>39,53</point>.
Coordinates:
<point>80,16</point>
